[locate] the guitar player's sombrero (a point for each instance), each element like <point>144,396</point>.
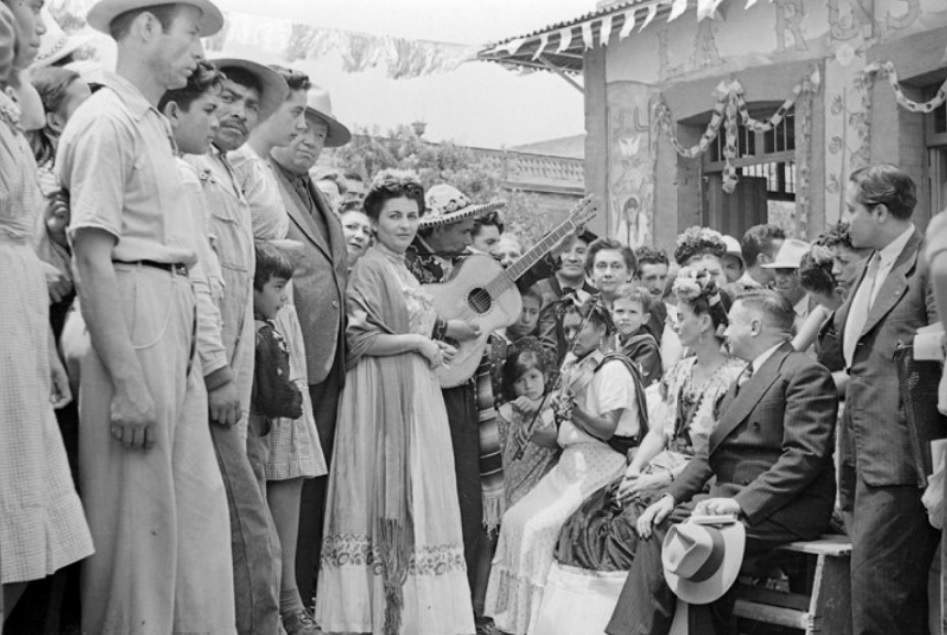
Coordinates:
<point>446,204</point>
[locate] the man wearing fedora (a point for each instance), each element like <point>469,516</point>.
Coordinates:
<point>153,494</point>
<point>770,455</point>
<point>250,93</point>
<point>319,295</point>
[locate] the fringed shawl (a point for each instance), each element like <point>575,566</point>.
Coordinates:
<point>376,306</point>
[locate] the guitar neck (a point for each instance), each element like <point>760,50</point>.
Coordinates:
<point>509,277</point>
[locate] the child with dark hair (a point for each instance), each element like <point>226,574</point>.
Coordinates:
<point>529,315</point>
<point>631,310</point>
<point>274,393</point>
<point>525,377</point>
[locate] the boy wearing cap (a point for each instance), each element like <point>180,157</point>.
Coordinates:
<point>154,496</point>
<point>319,294</point>
<point>249,93</point>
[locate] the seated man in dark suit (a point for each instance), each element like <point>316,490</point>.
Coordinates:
<point>771,454</point>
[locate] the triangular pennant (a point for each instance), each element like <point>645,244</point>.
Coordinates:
<point>543,43</point>
<point>678,7</point>
<point>652,12</point>
<point>565,39</point>
<point>587,38</point>
<point>628,25</point>
<point>606,30</point>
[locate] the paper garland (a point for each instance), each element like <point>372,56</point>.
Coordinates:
<point>729,109</point>
<point>887,69</point>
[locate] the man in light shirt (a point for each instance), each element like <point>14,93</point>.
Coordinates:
<point>153,493</point>
<point>892,542</point>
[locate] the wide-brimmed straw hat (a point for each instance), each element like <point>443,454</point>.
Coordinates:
<point>702,561</point>
<point>789,255</point>
<point>56,43</point>
<point>446,204</point>
<point>104,11</point>
<point>319,107</point>
<point>274,89</point>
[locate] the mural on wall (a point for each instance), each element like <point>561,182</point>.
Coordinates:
<point>847,142</point>
<point>632,159</point>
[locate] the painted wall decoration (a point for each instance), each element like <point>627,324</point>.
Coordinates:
<point>632,159</point>
<point>847,142</point>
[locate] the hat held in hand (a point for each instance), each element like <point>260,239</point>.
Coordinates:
<point>702,561</point>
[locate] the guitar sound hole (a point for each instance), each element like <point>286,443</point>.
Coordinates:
<point>479,300</point>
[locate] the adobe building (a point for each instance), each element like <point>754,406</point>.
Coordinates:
<point>736,112</point>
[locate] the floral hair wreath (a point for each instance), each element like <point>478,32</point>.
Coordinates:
<point>691,285</point>
<point>697,241</point>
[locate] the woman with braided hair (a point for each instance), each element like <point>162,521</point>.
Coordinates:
<point>599,418</point>
<point>598,542</point>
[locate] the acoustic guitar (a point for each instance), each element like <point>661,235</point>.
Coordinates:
<point>485,294</point>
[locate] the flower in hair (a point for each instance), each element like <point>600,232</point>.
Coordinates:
<point>698,241</point>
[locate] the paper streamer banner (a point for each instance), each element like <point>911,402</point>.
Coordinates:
<point>290,41</point>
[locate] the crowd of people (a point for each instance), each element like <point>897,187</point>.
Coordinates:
<point>222,396</point>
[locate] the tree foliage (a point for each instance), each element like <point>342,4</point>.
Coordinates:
<point>479,176</point>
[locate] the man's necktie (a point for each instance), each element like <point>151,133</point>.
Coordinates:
<point>861,307</point>
<point>744,377</point>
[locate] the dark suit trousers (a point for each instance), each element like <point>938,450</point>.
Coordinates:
<point>646,604</point>
<point>312,503</point>
<point>893,546</point>
<point>464,421</point>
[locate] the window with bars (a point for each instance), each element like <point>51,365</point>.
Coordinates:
<point>762,154</point>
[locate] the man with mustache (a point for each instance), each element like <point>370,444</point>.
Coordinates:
<point>319,294</point>
<point>153,495</point>
<point>249,94</point>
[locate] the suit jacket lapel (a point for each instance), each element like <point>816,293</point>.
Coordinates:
<point>737,408</point>
<point>335,239</point>
<point>892,290</point>
<point>299,213</point>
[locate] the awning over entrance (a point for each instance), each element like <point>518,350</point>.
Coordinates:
<point>560,47</point>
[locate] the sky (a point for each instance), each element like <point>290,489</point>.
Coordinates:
<point>480,104</point>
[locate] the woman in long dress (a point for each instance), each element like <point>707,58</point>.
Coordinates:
<point>42,525</point>
<point>392,556</point>
<point>597,545</point>
<point>600,421</point>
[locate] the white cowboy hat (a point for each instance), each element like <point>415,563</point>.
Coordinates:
<point>273,88</point>
<point>56,43</point>
<point>319,106</point>
<point>104,11</point>
<point>446,204</point>
<point>701,561</point>
<point>789,255</point>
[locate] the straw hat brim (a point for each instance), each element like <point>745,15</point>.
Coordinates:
<point>103,12</point>
<point>337,134</point>
<point>274,87</point>
<point>461,214</point>
<point>66,45</point>
<point>714,587</point>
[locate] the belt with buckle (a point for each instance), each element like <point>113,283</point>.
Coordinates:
<point>171,267</point>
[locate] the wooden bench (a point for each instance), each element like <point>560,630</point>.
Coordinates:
<point>824,607</point>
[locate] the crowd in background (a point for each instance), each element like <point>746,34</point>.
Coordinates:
<point>223,377</point>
